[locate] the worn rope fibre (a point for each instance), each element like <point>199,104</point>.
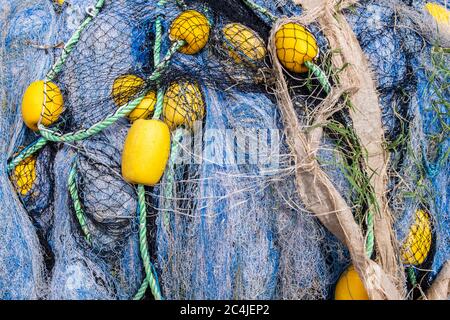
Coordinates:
<point>323,80</point>
<point>50,135</point>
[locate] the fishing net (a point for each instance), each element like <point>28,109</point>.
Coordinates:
<point>232,214</point>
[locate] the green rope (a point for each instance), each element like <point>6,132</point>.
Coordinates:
<point>323,79</point>
<point>25,153</point>
<point>156,58</point>
<point>158,110</point>
<point>49,135</point>
<point>120,113</point>
<point>72,42</point>
<point>143,246</point>
<point>73,190</point>
<point>168,191</point>
<point>321,76</point>
<point>412,276</point>
<point>142,289</point>
<point>370,238</point>
<point>181,4</point>
<point>259,9</point>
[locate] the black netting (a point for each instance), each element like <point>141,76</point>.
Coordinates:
<point>295,45</point>
<point>183,104</point>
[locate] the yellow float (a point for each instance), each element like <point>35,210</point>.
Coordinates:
<point>192,27</point>
<point>295,45</point>
<point>438,12</point>
<point>417,244</point>
<point>350,286</point>
<point>243,41</point>
<point>183,104</point>
<point>145,108</point>
<point>41,98</point>
<point>24,175</point>
<point>125,88</point>
<point>146,152</point>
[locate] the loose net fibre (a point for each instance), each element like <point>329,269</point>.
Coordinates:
<point>225,221</point>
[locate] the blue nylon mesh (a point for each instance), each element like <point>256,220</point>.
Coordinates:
<point>246,235</point>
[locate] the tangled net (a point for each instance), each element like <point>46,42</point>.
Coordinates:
<point>257,125</point>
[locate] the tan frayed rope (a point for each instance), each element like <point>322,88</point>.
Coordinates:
<point>321,197</point>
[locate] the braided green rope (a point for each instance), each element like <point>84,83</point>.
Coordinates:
<point>156,58</point>
<point>412,276</point>
<point>321,76</point>
<point>158,110</point>
<point>168,191</point>
<point>25,153</point>
<point>323,79</point>
<point>73,190</point>
<point>259,9</point>
<point>70,45</point>
<point>56,68</point>
<point>142,289</point>
<point>143,246</point>
<point>120,113</point>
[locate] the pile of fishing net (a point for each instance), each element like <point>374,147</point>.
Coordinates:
<point>224,149</point>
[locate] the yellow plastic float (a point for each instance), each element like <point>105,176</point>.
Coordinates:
<point>24,175</point>
<point>145,108</point>
<point>295,45</point>
<point>183,104</point>
<point>125,88</point>
<point>417,245</point>
<point>41,98</point>
<point>146,152</point>
<point>242,40</point>
<point>350,286</point>
<point>192,27</point>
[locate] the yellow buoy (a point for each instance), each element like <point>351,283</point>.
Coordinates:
<point>192,27</point>
<point>438,12</point>
<point>295,45</point>
<point>243,41</point>
<point>41,98</point>
<point>146,152</point>
<point>24,175</point>
<point>183,104</point>
<point>417,244</point>
<point>144,108</point>
<point>125,88</point>
<point>350,286</point>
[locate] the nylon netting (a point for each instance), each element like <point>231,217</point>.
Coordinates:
<point>225,221</point>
